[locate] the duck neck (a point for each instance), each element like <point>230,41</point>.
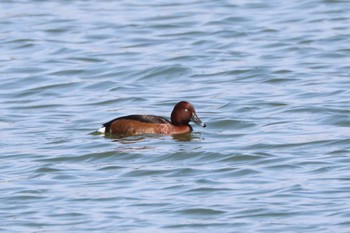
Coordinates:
<point>176,120</point>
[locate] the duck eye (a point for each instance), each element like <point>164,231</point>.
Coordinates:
<point>186,110</point>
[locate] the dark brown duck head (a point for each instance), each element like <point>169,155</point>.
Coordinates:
<point>183,113</point>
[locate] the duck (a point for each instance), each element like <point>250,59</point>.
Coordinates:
<point>133,125</point>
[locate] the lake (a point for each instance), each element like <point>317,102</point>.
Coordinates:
<point>270,79</point>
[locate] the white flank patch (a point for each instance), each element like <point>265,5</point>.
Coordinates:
<point>102,130</point>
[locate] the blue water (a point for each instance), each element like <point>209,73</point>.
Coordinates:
<point>270,79</point>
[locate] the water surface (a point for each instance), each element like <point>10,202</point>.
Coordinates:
<point>270,80</point>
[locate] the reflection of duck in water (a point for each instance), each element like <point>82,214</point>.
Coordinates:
<point>131,125</point>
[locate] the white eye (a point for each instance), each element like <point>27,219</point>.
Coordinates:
<point>186,110</point>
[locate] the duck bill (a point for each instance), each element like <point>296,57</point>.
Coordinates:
<point>196,120</point>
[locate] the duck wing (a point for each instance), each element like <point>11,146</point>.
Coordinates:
<point>141,118</point>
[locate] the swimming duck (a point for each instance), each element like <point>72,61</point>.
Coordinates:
<point>131,125</point>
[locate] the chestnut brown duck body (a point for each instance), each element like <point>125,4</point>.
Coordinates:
<point>181,115</point>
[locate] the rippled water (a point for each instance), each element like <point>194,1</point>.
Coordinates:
<point>269,78</point>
